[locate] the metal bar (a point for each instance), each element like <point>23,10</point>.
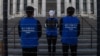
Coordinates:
<point>14,38</point>
<point>82,24</point>
<point>5,26</point>
<point>91,38</point>
<point>90,30</point>
<point>98,26</point>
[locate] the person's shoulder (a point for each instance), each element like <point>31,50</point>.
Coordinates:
<point>36,19</point>
<point>55,18</point>
<point>63,17</point>
<point>22,18</point>
<point>76,17</point>
<point>47,18</point>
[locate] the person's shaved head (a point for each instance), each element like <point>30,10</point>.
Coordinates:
<point>29,11</point>
<point>70,11</point>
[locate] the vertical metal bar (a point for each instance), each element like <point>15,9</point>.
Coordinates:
<point>82,25</point>
<point>98,26</point>
<point>14,37</point>
<point>5,26</point>
<point>2,48</point>
<point>91,38</point>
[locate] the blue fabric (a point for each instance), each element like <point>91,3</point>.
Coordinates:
<point>70,30</point>
<point>51,31</point>
<point>29,37</point>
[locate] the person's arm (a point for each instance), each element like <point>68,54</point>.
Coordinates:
<point>39,27</point>
<point>57,23</point>
<point>78,29</point>
<point>45,23</point>
<point>19,30</point>
<point>60,27</point>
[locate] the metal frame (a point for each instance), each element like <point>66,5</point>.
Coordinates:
<point>5,26</point>
<point>98,32</point>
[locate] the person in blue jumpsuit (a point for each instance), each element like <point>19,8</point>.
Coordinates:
<point>51,33</point>
<point>30,31</point>
<point>69,31</point>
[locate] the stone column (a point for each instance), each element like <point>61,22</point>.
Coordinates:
<point>66,4</point>
<point>95,9</point>
<point>1,9</point>
<point>58,8</point>
<point>89,6</point>
<point>9,9</point>
<point>74,5</point>
<point>8,6</point>
<point>36,7</point>
<point>81,6</point>
<point>14,7</point>
<point>21,7</point>
<point>28,2</point>
<point>43,8</point>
